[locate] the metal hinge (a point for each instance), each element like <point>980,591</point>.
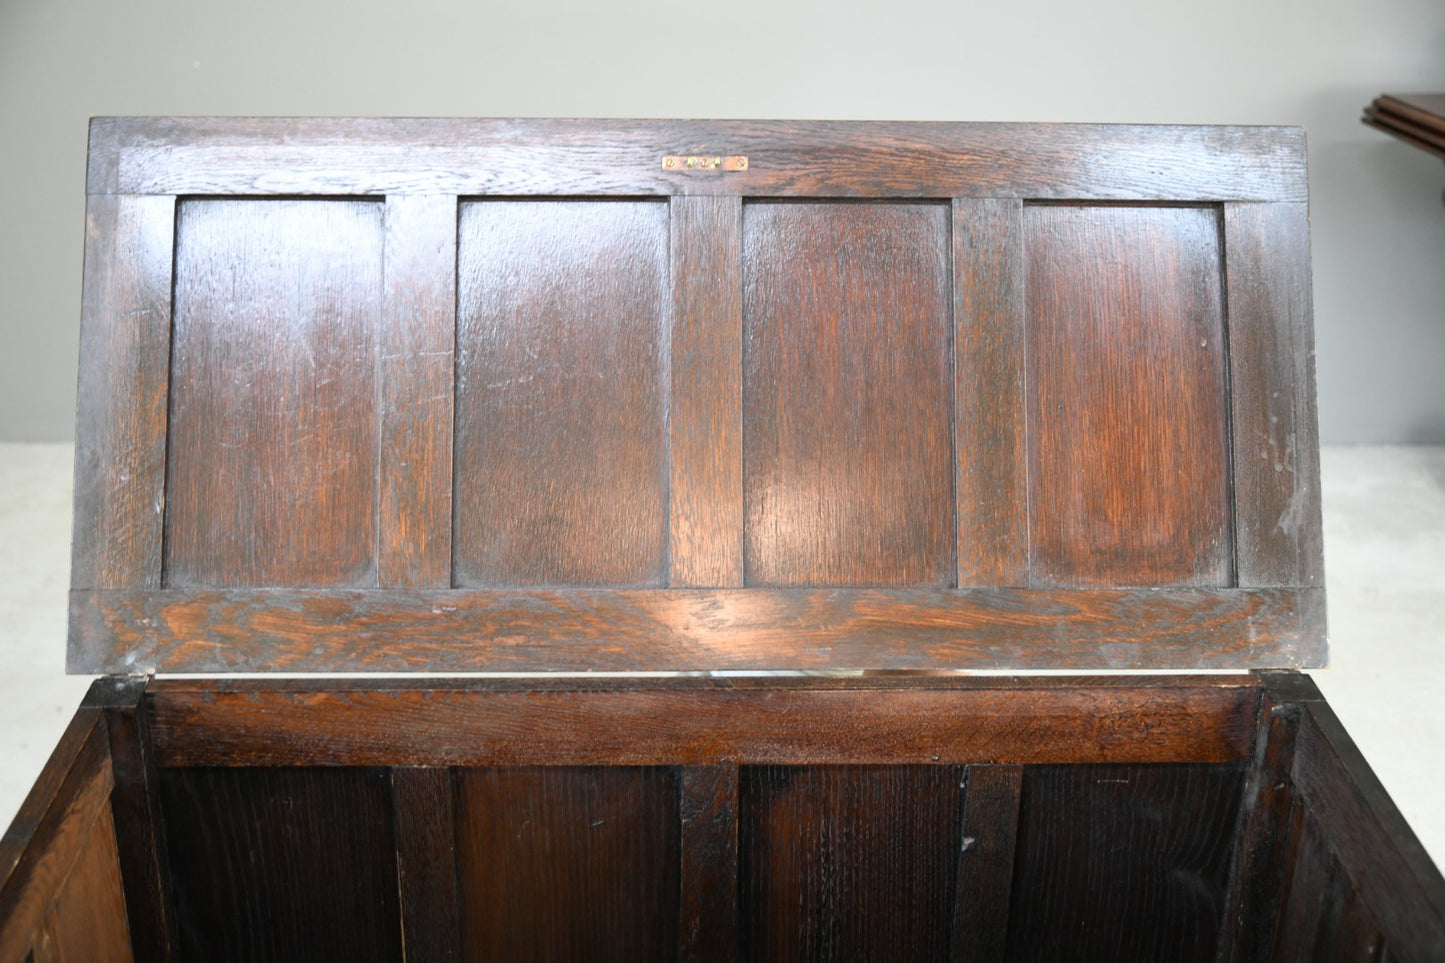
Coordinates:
<point>704,162</point>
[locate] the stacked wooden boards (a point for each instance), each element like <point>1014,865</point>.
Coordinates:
<point>1417,119</point>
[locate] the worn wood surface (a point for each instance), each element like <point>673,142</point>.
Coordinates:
<point>424,823</point>
<point>847,415</point>
<point>991,433</point>
<point>621,630</point>
<point>561,472</point>
<point>1128,444</point>
<point>415,372</point>
<point>271,469</point>
<point>705,420</point>
<point>1272,387</point>
<point>630,722</point>
<point>120,432</point>
<point>1122,862</point>
<point>51,836</point>
<point>601,157</point>
<point>986,863</point>
<point>708,818</point>
<point>568,864</point>
<point>282,864</point>
<point>848,863</point>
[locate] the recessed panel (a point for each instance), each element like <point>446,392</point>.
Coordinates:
<point>560,464</point>
<point>847,399</point>
<point>560,863</point>
<point>1128,422</point>
<point>271,473</point>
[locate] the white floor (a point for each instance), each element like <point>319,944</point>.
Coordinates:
<point>1384,556</point>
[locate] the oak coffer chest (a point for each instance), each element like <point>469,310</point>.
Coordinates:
<point>636,418</point>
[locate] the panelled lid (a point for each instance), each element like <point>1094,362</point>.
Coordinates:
<point>454,395</point>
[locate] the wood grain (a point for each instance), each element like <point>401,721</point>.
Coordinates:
<point>282,864</point>
<point>1128,445</point>
<point>271,474</point>
<point>847,395</point>
<point>602,157</point>
<point>848,862</point>
<point>986,863</point>
<point>568,864</point>
<point>424,823</point>
<point>629,722</point>
<point>708,902</point>
<point>1123,862</point>
<point>52,831</point>
<point>697,629</point>
<point>416,374</point>
<point>705,418</point>
<point>990,423</point>
<point>1383,860</point>
<point>87,921</point>
<point>561,435</point>
<point>1272,384</point>
<point>120,432</point>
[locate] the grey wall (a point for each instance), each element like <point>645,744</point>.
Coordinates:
<point>1379,226</point>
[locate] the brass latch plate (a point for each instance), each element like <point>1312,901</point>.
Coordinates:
<point>704,162</point>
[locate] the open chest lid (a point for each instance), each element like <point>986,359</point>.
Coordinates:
<point>458,395</point>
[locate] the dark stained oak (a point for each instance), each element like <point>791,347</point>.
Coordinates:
<point>424,824</point>
<point>986,863</point>
<point>282,864</point>
<point>705,420</point>
<point>87,921</point>
<point>990,420</point>
<point>561,434</point>
<point>1276,442</point>
<point>609,157</point>
<point>642,722</point>
<point>416,375</point>
<point>1128,447</point>
<point>848,862</point>
<point>120,440</point>
<point>271,470</point>
<point>708,844</point>
<point>1122,862</point>
<point>568,864</point>
<point>847,407</point>
<point>687,630</point>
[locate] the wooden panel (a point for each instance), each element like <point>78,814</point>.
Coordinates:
<point>706,495</point>
<point>52,831</point>
<point>1128,448</point>
<point>561,437</point>
<point>708,910</point>
<point>282,864</point>
<point>87,923</point>
<point>557,864</point>
<point>1123,862</point>
<point>121,416</point>
<point>135,805</point>
<point>1276,441</point>
<point>416,371</point>
<point>847,394</point>
<point>986,863</point>
<point>1385,864</point>
<point>338,631</point>
<point>990,431</point>
<point>273,443</point>
<point>848,863</point>
<point>425,826</point>
<point>947,719</point>
<point>590,157</point>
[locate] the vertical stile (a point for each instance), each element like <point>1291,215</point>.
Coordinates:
<point>986,862</point>
<point>425,831</point>
<point>989,410</point>
<point>708,884</point>
<point>705,417</point>
<point>415,359</point>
